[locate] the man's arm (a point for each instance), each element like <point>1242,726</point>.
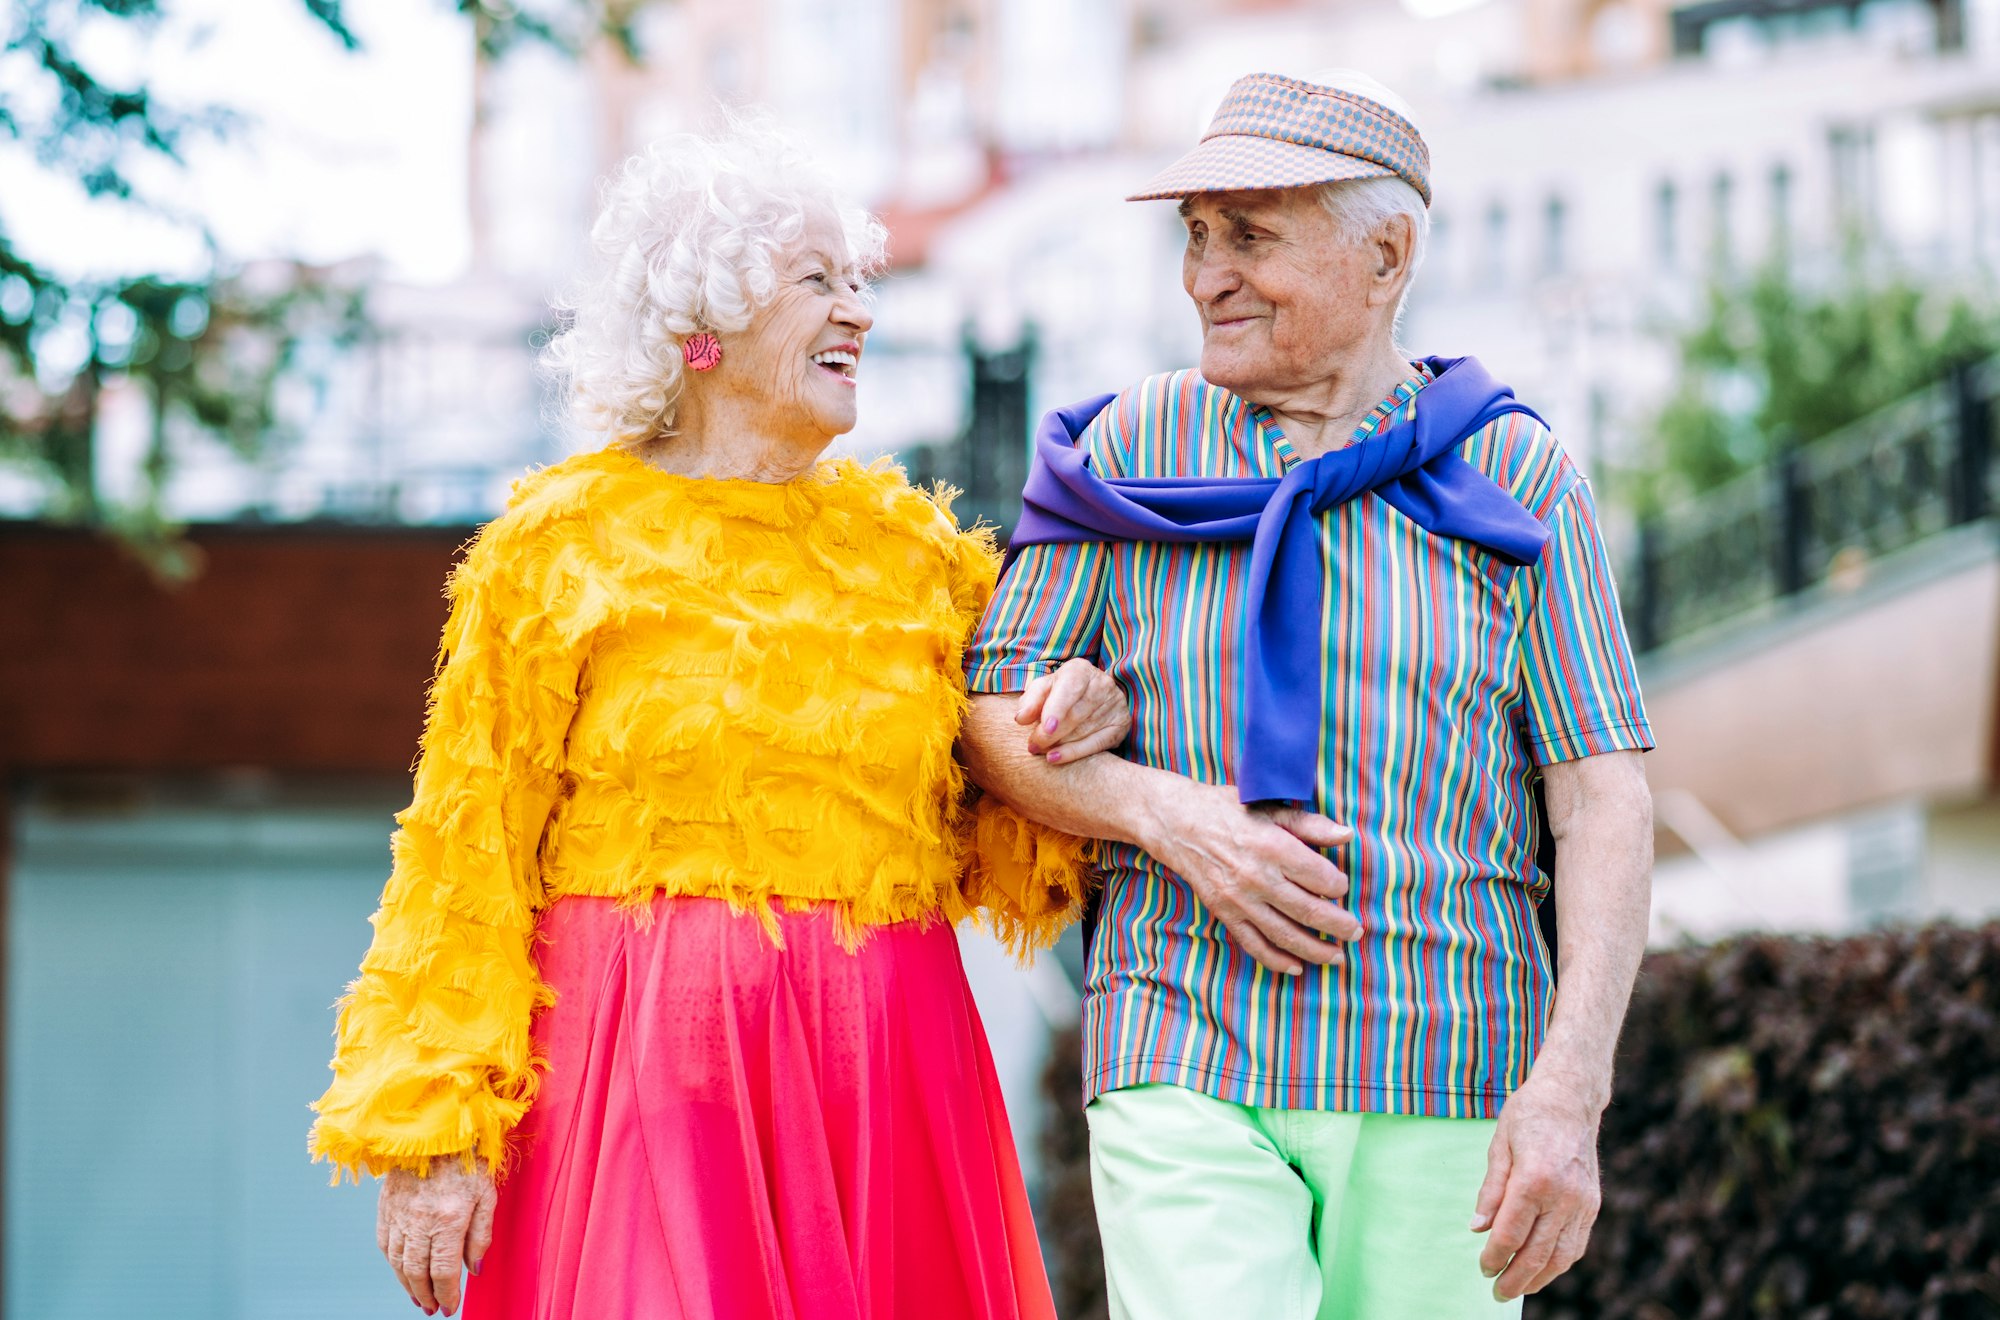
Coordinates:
<point>1541,1192</point>
<point>1257,871</point>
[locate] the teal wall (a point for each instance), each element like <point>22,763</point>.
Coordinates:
<point>170,980</point>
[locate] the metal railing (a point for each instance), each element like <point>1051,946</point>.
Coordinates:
<point>1912,470</point>
<point>988,461</point>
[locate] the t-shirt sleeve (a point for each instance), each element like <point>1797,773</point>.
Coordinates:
<point>1048,608</point>
<point>1580,685</point>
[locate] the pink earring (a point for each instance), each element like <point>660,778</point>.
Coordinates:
<point>702,350</point>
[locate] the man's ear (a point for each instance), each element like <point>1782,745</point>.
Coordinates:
<point>1393,245</point>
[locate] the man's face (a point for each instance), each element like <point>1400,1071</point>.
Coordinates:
<point>1281,296</point>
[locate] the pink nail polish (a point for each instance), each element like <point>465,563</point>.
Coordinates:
<point>1049,724</point>
<point>1054,757</point>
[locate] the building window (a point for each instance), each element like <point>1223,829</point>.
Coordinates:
<point>1555,237</point>
<point>1496,245</point>
<point>1951,18</point>
<point>1781,208</point>
<point>1666,241</point>
<point>1853,158</point>
<point>1722,195</point>
<point>1751,29</point>
<point>1985,180</point>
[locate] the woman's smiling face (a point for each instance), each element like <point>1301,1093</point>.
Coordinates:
<point>798,359</point>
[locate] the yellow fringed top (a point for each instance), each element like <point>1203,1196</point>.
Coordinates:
<point>661,684</point>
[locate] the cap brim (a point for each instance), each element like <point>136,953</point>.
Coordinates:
<point>1232,162</point>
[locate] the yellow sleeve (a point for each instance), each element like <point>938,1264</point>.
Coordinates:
<point>1028,880</point>
<point>432,1054</point>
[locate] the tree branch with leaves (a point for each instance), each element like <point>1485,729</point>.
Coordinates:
<point>207,351</point>
<point>1776,361</point>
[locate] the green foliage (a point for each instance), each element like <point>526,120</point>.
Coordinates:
<point>207,352</point>
<point>1805,1129</point>
<point>567,25</point>
<point>1773,363</point>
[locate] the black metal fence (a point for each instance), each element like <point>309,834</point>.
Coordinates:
<point>989,462</point>
<point>1908,472</point>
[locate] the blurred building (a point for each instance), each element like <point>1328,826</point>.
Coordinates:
<point>1822,664</point>
<point>202,780</point>
<point>1595,162</point>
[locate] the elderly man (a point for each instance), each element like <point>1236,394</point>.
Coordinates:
<point>1360,605</point>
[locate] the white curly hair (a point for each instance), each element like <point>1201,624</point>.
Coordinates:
<point>687,239</point>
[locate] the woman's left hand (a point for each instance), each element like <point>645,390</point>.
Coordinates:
<point>1075,712</point>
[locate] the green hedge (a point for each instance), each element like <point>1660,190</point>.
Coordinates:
<point>1801,1128</point>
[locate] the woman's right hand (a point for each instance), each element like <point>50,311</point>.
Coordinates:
<point>432,1227</point>
<point>1077,711</point>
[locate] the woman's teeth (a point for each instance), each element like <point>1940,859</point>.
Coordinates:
<point>837,360</point>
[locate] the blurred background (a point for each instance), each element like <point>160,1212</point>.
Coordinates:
<point>272,278</point>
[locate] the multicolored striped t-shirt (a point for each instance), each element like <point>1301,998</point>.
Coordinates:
<point>1450,678</point>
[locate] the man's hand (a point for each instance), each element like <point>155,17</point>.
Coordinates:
<point>430,1228</point>
<point>1541,1192</point>
<point>1259,872</point>
<point>1075,712</point>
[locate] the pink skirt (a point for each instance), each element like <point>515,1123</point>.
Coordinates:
<point>731,1131</point>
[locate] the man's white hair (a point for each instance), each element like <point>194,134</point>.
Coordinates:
<point>687,239</point>
<point>1360,207</point>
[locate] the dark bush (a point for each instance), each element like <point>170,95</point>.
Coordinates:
<point>1068,1214</point>
<point>1801,1128</point>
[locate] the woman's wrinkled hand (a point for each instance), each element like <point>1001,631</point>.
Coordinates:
<point>1074,712</point>
<point>432,1227</point>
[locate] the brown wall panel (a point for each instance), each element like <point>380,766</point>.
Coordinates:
<point>296,649</point>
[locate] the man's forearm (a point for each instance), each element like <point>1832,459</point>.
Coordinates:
<point>1264,875</point>
<point>1100,797</point>
<point>1603,892</point>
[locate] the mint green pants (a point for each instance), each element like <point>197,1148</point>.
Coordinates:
<point>1214,1210</point>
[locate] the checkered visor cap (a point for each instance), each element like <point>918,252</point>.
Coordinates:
<point>1274,132</point>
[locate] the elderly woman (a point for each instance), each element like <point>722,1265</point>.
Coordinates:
<point>664,1014</point>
